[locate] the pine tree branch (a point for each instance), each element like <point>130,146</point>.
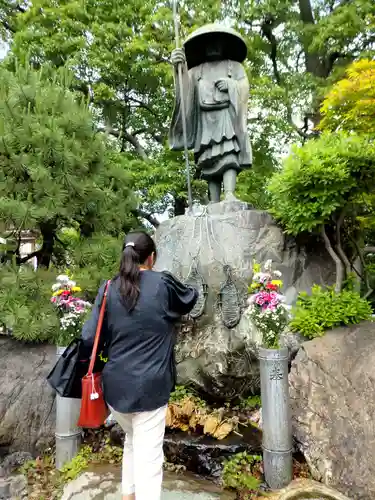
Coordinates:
<point>23,260</point>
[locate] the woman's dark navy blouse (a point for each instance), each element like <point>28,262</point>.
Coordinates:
<point>140,373</point>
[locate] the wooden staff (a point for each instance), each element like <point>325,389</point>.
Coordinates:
<point>183,111</point>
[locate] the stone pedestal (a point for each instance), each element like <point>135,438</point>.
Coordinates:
<point>220,245</point>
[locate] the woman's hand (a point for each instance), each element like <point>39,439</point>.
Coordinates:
<point>222,84</point>
<point>178,57</point>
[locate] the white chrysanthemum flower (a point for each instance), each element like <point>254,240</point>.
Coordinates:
<point>62,278</point>
<point>268,265</point>
<point>71,284</point>
<point>278,274</point>
<point>55,287</point>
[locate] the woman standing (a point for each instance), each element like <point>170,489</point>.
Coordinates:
<point>142,308</point>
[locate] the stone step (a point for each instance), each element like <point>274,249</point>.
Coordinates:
<point>104,484</point>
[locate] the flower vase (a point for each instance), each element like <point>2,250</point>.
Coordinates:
<point>68,434</point>
<point>276,426</point>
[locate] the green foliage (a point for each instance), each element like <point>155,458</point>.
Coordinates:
<point>250,403</point>
<point>325,309</point>
<point>161,182</point>
<point>105,454</point>
<point>49,483</point>
<point>320,179</point>
<point>119,52</point>
<point>56,171</point>
<point>77,465</point>
<point>238,472</point>
<point>93,260</point>
<point>182,393</point>
<point>25,303</point>
<point>350,103</point>
<point>25,294</point>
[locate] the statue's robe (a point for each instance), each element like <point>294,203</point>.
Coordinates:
<point>216,121</point>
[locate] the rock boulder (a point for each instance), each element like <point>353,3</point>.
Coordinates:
<point>333,408</point>
<point>27,416</point>
<point>216,350</point>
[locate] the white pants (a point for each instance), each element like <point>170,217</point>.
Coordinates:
<point>142,464</point>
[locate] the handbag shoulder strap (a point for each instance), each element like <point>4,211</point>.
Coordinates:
<point>98,330</point>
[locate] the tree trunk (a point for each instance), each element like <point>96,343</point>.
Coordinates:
<point>313,60</point>
<point>318,65</point>
<point>48,231</point>
<point>86,229</point>
<point>340,269</point>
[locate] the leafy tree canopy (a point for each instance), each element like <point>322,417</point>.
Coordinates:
<point>320,179</point>
<point>350,103</point>
<point>119,52</point>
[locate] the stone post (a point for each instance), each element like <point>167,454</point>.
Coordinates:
<point>277,434</point>
<point>68,434</point>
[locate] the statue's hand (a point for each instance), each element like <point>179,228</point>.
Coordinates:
<point>222,85</point>
<point>178,57</point>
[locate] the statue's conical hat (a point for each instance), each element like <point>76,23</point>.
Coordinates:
<point>233,43</point>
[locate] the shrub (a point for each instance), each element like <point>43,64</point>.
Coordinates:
<point>25,294</point>
<point>324,309</point>
<point>239,470</point>
<point>94,260</point>
<point>250,403</point>
<point>25,305</point>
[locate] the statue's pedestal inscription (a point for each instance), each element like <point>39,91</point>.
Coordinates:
<point>214,251</point>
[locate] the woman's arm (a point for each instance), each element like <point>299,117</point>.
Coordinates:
<point>181,299</point>
<point>89,328</point>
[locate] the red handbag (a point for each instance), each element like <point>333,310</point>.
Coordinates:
<point>94,410</point>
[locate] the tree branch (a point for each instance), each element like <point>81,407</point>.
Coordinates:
<point>7,26</point>
<point>128,137</point>
<point>157,137</point>
<point>144,215</point>
<point>136,145</point>
<point>20,9</point>
<point>300,131</point>
<point>267,31</point>
<point>141,104</point>
<point>339,248</point>
<point>364,274</point>
<point>312,59</point>
<point>340,270</point>
<point>23,260</point>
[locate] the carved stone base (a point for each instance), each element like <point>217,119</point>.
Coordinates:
<point>219,360</point>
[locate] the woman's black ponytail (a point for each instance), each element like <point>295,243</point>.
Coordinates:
<point>138,246</point>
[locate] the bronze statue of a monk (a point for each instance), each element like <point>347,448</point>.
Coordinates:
<point>215,91</point>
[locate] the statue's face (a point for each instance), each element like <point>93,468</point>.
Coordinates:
<point>214,50</point>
